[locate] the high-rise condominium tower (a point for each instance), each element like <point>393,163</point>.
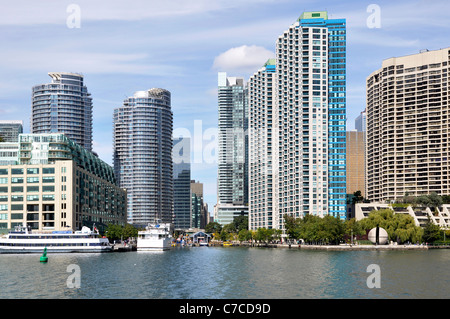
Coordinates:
<point>63,106</point>
<point>232,180</point>
<point>143,155</point>
<point>311,88</point>
<point>263,148</point>
<point>407,127</point>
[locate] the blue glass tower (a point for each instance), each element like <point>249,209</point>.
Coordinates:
<point>336,107</point>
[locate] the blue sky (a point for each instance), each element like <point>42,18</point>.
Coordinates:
<point>180,45</point>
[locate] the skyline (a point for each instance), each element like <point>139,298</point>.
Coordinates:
<point>181,46</point>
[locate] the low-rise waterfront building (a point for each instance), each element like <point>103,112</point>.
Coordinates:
<point>51,183</point>
<point>439,215</point>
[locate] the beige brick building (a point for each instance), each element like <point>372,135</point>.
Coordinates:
<point>355,162</point>
<point>407,127</point>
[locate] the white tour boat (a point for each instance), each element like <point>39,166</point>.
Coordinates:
<point>23,240</point>
<point>155,237</point>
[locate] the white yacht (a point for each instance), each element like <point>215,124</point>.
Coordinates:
<point>155,237</point>
<point>23,240</point>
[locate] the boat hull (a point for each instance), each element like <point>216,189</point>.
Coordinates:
<point>25,250</point>
<point>151,245</point>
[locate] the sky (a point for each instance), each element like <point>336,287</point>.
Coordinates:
<point>180,45</point>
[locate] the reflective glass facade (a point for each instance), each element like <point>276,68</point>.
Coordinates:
<point>63,106</point>
<point>232,179</point>
<point>182,183</point>
<point>142,133</point>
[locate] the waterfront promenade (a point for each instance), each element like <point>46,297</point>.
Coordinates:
<point>345,247</point>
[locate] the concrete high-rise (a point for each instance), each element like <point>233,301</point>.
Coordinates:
<point>263,148</point>
<point>311,90</point>
<point>407,127</point>
<point>232,180</point>
<point>142,133</point>
<point>297,113</point>
<point>63,106</point>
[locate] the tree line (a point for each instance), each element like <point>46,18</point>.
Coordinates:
<point>401,228</point>
<point>329,230</point>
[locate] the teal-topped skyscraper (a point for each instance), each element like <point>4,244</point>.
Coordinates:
<point>311,88</point>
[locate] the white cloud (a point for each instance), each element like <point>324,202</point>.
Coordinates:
<point>85,62</point>
<point>242,59</point>
<point>28,12</point>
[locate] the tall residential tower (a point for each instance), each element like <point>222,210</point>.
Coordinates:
<point>63,106</point>
<point>407,127</point>
<point>311,68</point>
<point>143,155</point>
<point>263,148</point>
<point>232,180</point>
<point>298,125</point>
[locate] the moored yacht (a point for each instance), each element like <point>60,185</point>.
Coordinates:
<point>155,237</point>
<point>24,240</point>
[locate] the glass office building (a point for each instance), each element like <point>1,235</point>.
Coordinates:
<point>232,179</point>
<point>63,106</point>
<point>143,142</point>
<point>182,183</point>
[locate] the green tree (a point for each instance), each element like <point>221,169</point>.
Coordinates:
<point>225,235</point>
<point>240,222</point>
<point>357,197</point>
<point>129,231</point>
<point>353,227</point>
<point>114,232</point>
<point>245,235</point>
<point>292,226</point>
<point>400,227</point>
<point>263,234</point>
<point>435,201</point>
<point>431,232</point>
<point>213,227</point>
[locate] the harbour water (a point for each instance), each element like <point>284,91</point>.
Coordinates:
<point>227,273</point>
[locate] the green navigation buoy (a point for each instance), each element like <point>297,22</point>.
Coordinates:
<point>44,257</point>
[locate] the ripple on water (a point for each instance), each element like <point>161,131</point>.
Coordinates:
<point>232,272</point>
